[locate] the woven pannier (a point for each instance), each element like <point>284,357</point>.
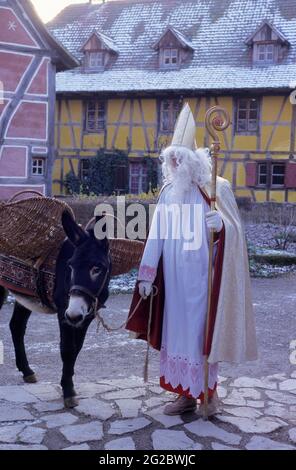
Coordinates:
<point>31,228</point>
<point>125,254</point>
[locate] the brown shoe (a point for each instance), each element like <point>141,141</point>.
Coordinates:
<point>213,406</point>
<point>180,405</point>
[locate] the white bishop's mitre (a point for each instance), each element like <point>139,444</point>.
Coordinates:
<point>185,129</point>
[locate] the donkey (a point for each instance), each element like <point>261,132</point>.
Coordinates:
<point>83,271</point>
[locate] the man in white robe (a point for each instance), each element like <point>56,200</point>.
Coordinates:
<point>179,234</point>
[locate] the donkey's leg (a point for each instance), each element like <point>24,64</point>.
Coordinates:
<point>18,325</point>
<point>71,343</point>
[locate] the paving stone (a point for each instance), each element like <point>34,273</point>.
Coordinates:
<point>78,447</point>
<point>243,412</point>
<point>164,439</point>
<point>276,377</point>
<point>128,425</point>
<point>10,413</point>
<point>221,379</point>
<point>218,446</point>
<point>222,392</point>
<point>83,432</point>
<point>16,394</point>
<point>20,447</point>
<point>255,404</point>
<point>124,443</point>
<point>95,408</point>
<point>124,394</point>
<point>276,409</point>
<point>125,383</point>
<point>235,398</point>
<point>207,429</point>
<point>48,406</point>
<point>165,420</point>
<point>129,408</point>
<point>91,389</point>
<point>44,391</point>
<point>32,435</point>
<point>250,393</point>
<point>292,434</point>
<point>253,383</point>
<point>156,389</point>
<point>259,425</point>
<point>281,397</point>
<point>288,385</point>
<point>263,443</point>
<point>59,419</point>
<point>9,434</point>
<point>156,401</point>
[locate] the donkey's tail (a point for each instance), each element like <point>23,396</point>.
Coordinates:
<point>3,295</point>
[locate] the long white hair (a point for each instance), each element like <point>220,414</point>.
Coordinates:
<point>193,167</point>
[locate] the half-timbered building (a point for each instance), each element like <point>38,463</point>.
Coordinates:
<point>141,59</point>
<point>29,58</point>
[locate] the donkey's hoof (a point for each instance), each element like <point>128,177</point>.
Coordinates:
<point>71,402</point>
<point>30,379</point>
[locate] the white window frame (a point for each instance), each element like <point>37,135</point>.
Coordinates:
<point>141,177</point>
<point>38,164</point>
<point>262,173</point>
<point>170,53</point>
<point>95,59</point>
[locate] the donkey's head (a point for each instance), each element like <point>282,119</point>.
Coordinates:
<point>89,272</point>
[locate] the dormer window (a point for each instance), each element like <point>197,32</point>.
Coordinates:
<point>269,45</point>
<point>266,53</point>
<point>174,49</point>
<point>98,51</point>
<point>170,57</point>
<point>96,59</point>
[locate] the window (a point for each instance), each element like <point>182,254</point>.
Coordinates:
<point>277,174</point>
<point>170,57</point>
<point>247,115</point>
<point>95,116</point>
<point>271,174</point>
<point>262,174</point>
<point>169,111</point>
<point>138,178</point>
<point>38,166</point>
<point>95,59</point>
<point>266,53</point>
<point>84,168</point>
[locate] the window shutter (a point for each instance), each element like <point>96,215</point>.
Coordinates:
<point>251,173</point>
<point>290,176</point>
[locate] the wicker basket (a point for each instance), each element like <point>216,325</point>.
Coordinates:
<point>31,228</point>
<point>125,254</point>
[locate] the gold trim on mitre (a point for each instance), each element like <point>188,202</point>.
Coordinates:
<point>185,129</point>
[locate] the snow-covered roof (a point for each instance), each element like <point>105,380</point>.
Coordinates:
<point>215,29</point>
<point>180,37</point>
<point>108,42</point>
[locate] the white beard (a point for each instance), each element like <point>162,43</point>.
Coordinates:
<point>194,168</point>
<point>181,181</point>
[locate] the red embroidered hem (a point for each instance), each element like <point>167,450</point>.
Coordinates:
<point>179,390</point>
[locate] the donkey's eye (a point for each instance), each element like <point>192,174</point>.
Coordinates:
<point>95,271</point>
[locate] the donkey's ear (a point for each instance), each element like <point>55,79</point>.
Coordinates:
<point>74,232</point>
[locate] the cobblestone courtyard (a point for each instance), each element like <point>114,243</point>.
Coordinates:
<point>117,410</point>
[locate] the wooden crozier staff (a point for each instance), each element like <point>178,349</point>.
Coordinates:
<point>216,119</point>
